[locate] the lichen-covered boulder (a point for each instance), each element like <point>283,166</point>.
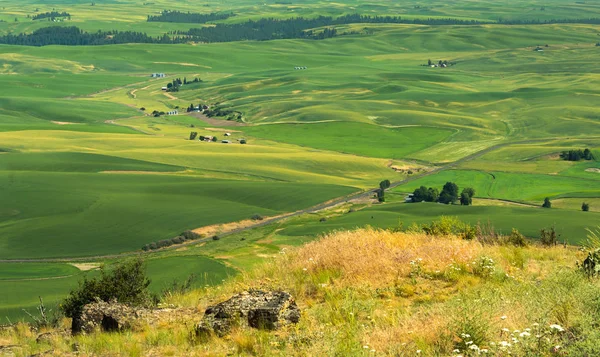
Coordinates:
<point>268,310</point>
<point>106,316</point>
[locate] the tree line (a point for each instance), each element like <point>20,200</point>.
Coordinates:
<point>188,17</point>
<point>251,30</point>
<point>51,15</point>
<point>449,194</point>
<point>577,155</point>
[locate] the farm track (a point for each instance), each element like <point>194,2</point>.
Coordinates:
<point>325,205</point>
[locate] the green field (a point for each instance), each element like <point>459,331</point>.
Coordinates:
<point>86,172</point>
<point>570,224</point>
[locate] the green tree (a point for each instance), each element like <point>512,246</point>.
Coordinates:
<point>380,195</point>
<point>449,193</point>
<point>126,282</point>
<point>547,203</point>
<point>466,197</point>
<point>385,184</point>
<point>585,207</point>
<point>193,135</point>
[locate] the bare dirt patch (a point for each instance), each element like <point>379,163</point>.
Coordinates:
<point>143,172</point>
<point>215,229</point>
<point>64,123</point>
<point>593,169</point>
<point>86,266</point>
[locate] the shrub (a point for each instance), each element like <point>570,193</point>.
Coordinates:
<point>323,219</point>
<point>547,203</point>
<point>215,237</point>
<point>152,246</point>
<point>257,217</point>
<point>444,226</point>
<point>190,235</point>
<point>585,207</point>
<point>516,238</point>
<point>484,267</point>
<point>193,135</point>
<point>591,265</point>
<point>548,237</point>
<point>126,282</point>
<point>243,141</point>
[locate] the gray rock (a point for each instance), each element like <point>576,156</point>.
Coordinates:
<point>107,316</point>
<point>267,310</point>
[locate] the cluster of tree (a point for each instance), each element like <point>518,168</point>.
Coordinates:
<point>577,155</point>
<point>448,195</point>
<point>156,113</point>
<point>228,113</point>
<point>440,63</point>
<point>51,15</point>
<point>185,236</point>
<point>174,85</point>
<point>193,108</point>
<point>189,17</point>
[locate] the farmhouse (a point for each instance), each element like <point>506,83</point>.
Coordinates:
<point>164,88</point>
<point>227,134</point>
<point>158,75</point>
<point>206,138</point>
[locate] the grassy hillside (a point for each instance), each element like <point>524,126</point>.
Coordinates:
<point>87,170</point>
<point>373,292</point>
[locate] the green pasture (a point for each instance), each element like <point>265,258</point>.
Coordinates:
<point>570,224</point>
<point>354,138</point>
<point>509,186</point>
<point>88,214</point>
<point>18,271</point>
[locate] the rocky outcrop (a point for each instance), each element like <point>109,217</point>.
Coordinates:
<point>106,316</point>
<point>268,310</point>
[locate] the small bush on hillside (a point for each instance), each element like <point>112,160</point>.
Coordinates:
<point>484,267</point>
<point>257,217</point>
<point>215,237</point>
<point>190,235</point>
<point>548,237</point>
<point>516,238</point>
<point>547,203</point>
<point>126,282</point>
<point>585,207</point>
